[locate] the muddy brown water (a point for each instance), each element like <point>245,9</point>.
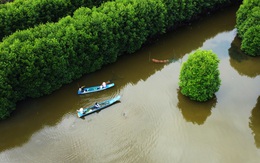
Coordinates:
<point>153,123</point>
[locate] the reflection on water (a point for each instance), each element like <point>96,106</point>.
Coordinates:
<point>176,44</point>
<point>242,63</point>
<point>235,52</point>
<point>33,115</point>
<point>195,112</point>
<point>255,123</point>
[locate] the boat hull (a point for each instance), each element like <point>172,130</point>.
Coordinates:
<point>92,89</point>
<point>103,105</point>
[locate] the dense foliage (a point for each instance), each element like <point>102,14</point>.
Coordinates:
<point>199,77</point>
<point>22,14</point>
<point>5,1</point>
<point>39,60</point>
<point>248,26</point>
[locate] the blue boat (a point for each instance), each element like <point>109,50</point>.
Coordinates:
<point>85,90</point>
<point>86,111</point>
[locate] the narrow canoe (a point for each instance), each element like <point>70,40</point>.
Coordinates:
<point>160,60</point>
<point>92,89</point>
<point>164,60</point>
<point>103,105</point>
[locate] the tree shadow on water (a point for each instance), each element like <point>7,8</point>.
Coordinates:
<point>242,63</point>
<point>254,123</point>
<point>193,111</point>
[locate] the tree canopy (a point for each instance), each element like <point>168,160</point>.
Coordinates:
<point>199,77</point>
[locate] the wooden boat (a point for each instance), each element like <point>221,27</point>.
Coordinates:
<point>164,60</point>
<point>86,111</point>
<point>84,90</point>
<point>160,60</point>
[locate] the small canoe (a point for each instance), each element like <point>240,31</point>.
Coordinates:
<point>86,111</point>
<point>160,60</point>
<point>164,60</point>
<point>85,90</point>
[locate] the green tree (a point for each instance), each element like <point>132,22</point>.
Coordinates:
<point>199,77</point>
<point>250,43</point>
<point>247,16</point>
<point>247,24</point>
<point>22,14</point>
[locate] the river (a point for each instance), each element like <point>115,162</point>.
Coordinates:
<point>153,122</point>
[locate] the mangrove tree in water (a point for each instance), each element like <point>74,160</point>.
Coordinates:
<point>199,77</point>
<point>248,26</point>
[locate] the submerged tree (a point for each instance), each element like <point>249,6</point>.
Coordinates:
<point>199,77</point>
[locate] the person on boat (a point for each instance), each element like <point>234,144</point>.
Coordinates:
<point>81,110</point>
<point>97,105</point>
<point>81,89</point>
<point>103,85</point>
